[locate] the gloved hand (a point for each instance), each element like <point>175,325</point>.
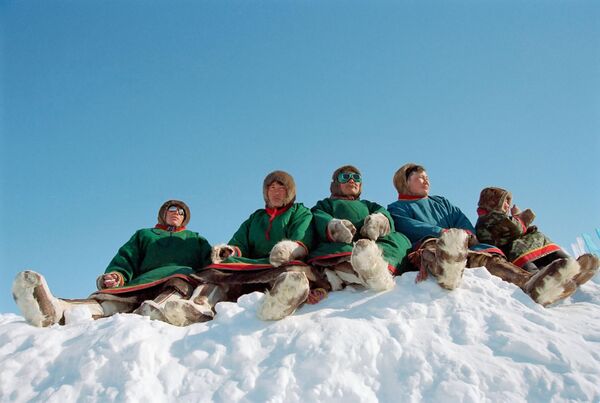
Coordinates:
<point>341,230</point>
<point>108,280</point>
<point>221,252</point>
<point>286,251</point>
<point>527,216</point>
<point>375,226</point>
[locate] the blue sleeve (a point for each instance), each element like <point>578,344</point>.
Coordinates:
<point>414,228</point>
<point>457,218</point>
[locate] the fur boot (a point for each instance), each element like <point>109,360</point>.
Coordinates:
<point>286,251</point>
<point>199,308</point>
<point>367,261</point>
<point>450,258</point>
<point>375,226</point>
<point>289,291</point>
<point>588,264</point>
<point>554,282</point>
<point>39,307</point>
<point>173,290</point>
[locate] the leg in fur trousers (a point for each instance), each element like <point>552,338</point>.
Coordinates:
<point>551,283</point>
<point>173,290</point>
<point>40,308</point>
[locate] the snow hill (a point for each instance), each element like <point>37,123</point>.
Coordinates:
<point>486,341</point>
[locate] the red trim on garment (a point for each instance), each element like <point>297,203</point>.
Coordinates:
<point>251,266</point>
<point>302,244</point>
<point>166,228</point>
<point>410,197</point>
<point>272,213</point>
<point>237,251</point>
<point>481,211</point>
<point>535,254</point>
<point>125,289</point>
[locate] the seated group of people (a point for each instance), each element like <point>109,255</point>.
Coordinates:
<point>297,255</point>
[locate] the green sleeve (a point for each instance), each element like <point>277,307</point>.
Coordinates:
<point>376,208</point>
<point>321,217</point>
<point>299,227</point>
<point>241,238</point>
<point>205,251</point>
<point>128,258</point>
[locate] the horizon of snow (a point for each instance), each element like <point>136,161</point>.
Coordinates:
<point>485,341</point>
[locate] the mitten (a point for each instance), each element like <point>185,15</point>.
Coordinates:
<point>375,226</point>
<point>341,230</point>
<point>221,252</point>
<point>527,216</point>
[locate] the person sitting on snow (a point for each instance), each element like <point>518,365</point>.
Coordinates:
<point>509,229</point>
<point>265,253</point>
<point>357,242</point>
<point>444,243</point>
<point>150,270</point>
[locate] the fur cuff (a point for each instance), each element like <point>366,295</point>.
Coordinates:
<point>341,230</point>
<point>221,252</point>
<point>375,226</point>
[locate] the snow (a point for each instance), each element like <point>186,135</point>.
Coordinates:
<point>485,341</point>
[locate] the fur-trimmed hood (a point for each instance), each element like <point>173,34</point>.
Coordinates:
<point>286,180</point>
<point>401,181</point>
<point>178,203</point>
<point>336,192</point>
<point>492,198</point>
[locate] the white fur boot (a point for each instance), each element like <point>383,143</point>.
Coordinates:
<point>289,291</point>
<point>554,282</point>
<point>33,297</point>
<point>367,261</point>
<point>450,258</point>
<point>199,308</point>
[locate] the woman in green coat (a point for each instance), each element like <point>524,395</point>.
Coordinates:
<point>151,269</point>
<point>356,239</point>
<point>264,254</point>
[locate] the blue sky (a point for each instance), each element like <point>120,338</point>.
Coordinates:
<point>109,108</point>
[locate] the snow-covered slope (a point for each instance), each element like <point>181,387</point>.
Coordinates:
<point>486,341</point>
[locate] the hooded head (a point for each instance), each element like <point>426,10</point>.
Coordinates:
<point>401,177</point>
<point>163,210</point>
<point>492,199</point>
<point>336,191</point>
<point>284,179</point>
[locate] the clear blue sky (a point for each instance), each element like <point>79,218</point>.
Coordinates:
<point>108,108</point>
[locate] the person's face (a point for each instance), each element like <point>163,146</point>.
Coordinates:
<point>174,216</point>
<point>276,194</point>
<point>506,205</point>
<point>350,188</point>
<point>418,184</point>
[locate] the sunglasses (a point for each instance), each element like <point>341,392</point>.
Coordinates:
<point>179,210</point>
<point>344,177</point>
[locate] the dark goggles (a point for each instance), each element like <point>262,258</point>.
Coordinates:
<point>179,210</point>
<point>344,177</point>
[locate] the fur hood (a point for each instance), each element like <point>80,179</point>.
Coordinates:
<point>178,203</point>
<point>286,180</point>
<point>492,198</point>
<point>335,185</point>
<point>400,179</point>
